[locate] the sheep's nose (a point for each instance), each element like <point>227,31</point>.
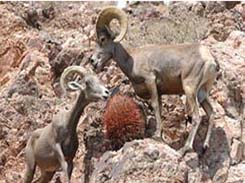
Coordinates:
<point>94,64</point>
<point>107,94</point>
<point>91,60</point>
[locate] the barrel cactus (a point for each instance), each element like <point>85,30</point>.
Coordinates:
<point>123,121</point>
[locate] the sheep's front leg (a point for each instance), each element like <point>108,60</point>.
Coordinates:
<point>30,163</point>
<point>70,168</point>
<point>62,160</point>
<point>155,102</point>
<point>210,113</point>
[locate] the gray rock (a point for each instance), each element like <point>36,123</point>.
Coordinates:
<point>141,161</point>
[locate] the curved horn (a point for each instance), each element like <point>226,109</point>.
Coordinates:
<point>106,16</point>
<point>81,71</point>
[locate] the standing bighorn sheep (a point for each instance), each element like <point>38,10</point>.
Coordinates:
<point>55,145</point>
<point>154,70</point>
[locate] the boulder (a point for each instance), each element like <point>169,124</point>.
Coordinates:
<point>141,161</point>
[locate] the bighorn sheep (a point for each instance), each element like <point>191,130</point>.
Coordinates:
<point>155,70</point>
<point>55,145</point>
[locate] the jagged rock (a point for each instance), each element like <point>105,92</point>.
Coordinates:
<point>233,128</point>
<point>191,160</point>
<point>65,58</point>
<point>31,17</point>
<point>10,54</point>
<point>236,153</point>
<point>215,7</point>
<point>25,82</point>
<point>49,11</point>
<point>174,119</point>
<point>223,21</point>
<point>53,50</point>
<point>11,24</point>
<point>221,175</point>
<point>236,173</point>
<point>243,11</point>
<point>231,4</point>
<point>141,161</point>
<point>219,6</point>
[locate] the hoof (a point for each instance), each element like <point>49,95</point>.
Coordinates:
<point>204,150</point>
<point>189,119</point>
<point>157,138</point>
<point>234,162</point>
<point>184,150</point>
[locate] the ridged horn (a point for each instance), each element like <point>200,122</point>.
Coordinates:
<point>106,16</point>
<point>81,71</point>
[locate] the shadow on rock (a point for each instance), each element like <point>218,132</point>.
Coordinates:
<point>215,162</point>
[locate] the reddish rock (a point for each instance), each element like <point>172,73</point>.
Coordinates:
<point>10,56</point>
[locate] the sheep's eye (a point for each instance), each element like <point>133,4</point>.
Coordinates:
<point>100,55</point>
<point>102,40</point>
<point>89,83</point>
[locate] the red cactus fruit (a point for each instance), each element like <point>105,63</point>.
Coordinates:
<point>123,121</point>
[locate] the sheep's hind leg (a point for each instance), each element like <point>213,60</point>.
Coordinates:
<point>189,143</point>
<point>206,105</point>
<point>193,109</point>
<point>209,111</point>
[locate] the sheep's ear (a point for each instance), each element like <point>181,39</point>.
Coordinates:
<point>105,34</point>
<point>102,39</point>
<point>89,83</point>
<point>72,85</point>
<point>110,33</point>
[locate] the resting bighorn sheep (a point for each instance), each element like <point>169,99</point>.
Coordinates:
<point>55,145</point>
<point>155,70</point>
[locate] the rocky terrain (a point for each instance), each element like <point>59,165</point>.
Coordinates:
<point>40,39</point>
